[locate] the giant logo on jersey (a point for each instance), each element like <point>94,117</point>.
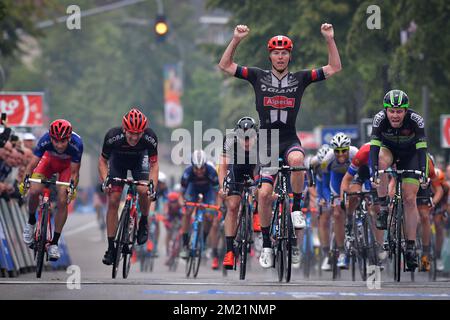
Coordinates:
<point>265,88</point>
<point>279,102</point>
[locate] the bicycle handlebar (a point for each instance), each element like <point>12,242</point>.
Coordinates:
<point>400,172</point>
<point>202,205</point>
<point>285,168</point>
<point>361,194</point>
<point>50,182</point>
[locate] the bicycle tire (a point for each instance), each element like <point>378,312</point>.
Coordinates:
<point>334,258</point>
<point>118,240</point>
<point>42,241</point>
<point>398,241</point>
<point>243,245</point>
<point>361,254</point>
<point>288,240</point>
<point>131,239</point>
<point>198,251</point>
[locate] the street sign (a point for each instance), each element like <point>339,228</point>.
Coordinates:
<point>329,131</point>
<point>365,129</point>
<point>445,130</point>
<point>22,108</point>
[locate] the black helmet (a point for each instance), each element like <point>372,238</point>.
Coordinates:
<point>396,99</point>
<point>246,127</point>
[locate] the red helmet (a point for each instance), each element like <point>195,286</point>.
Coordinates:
<point>60,129</point>
<point>173,196</point>
<point>280,43</point>
<point>134,121</point>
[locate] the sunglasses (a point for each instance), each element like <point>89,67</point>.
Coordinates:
<point>341,151</point>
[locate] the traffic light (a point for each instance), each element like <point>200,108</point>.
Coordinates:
<point>161,28</point>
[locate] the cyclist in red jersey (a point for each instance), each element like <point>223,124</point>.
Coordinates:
<point>278,96</point>
<point>357,176</point>
<point>58,151</point>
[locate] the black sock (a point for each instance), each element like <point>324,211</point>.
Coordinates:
<point>341,249</point>
<point>426,249</point>
<point>215,252</point>
<point>383,203</point>
<point>185,239</point>
<point>110,243</point>
<point>296,206</point>
<point>410,244</point>
<point>230,241</point>
<point>31,219</point>
<point>143,221</point>
<point>326,250</point>
<point>56,236</point>
<point>267,243</point>
<point>438,254</point>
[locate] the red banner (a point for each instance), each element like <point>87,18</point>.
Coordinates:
<point>308,140</point>
<point>22,109</point>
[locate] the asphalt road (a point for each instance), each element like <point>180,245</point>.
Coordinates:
<point>86,248</point>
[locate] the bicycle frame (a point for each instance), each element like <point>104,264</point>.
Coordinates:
<point>126,232</point>
<point>43,232</point>
<point>197,241</point>
<point>396,230</point>
<point>282,228</point>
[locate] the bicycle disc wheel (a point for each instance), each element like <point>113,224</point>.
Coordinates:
<point>361,254</point>
<point>42,241</point>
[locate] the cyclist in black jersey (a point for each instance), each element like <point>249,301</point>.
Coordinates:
<point>131,147</point>
<point>278,96</point>
<point>239,158</point>
<point>401,131</point>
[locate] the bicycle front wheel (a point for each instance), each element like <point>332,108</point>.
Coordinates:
<point>198,251</point>
<point>129,246</point>
<point>120,239</point>
<point>288,237</point>
<point>42,241</point>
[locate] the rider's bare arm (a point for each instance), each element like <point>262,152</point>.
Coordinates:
<point>334,61</point>
<point>227,64</point>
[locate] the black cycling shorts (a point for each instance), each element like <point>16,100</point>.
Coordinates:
<point>235,174</point>
<point>406,161</point>
<point>423,196</point>
<point>286,145</point>
<point>119,166</point>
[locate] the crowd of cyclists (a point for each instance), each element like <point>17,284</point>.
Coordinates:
<point>397,141</point>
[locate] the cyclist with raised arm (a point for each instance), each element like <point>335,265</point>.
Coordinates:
<point>199,178</point>
<point>58,151</point>
<point>334,166</point>
<point>402,132</point>
<point>238,159</point>
<point>132,147</point>
<point>278,95</point>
